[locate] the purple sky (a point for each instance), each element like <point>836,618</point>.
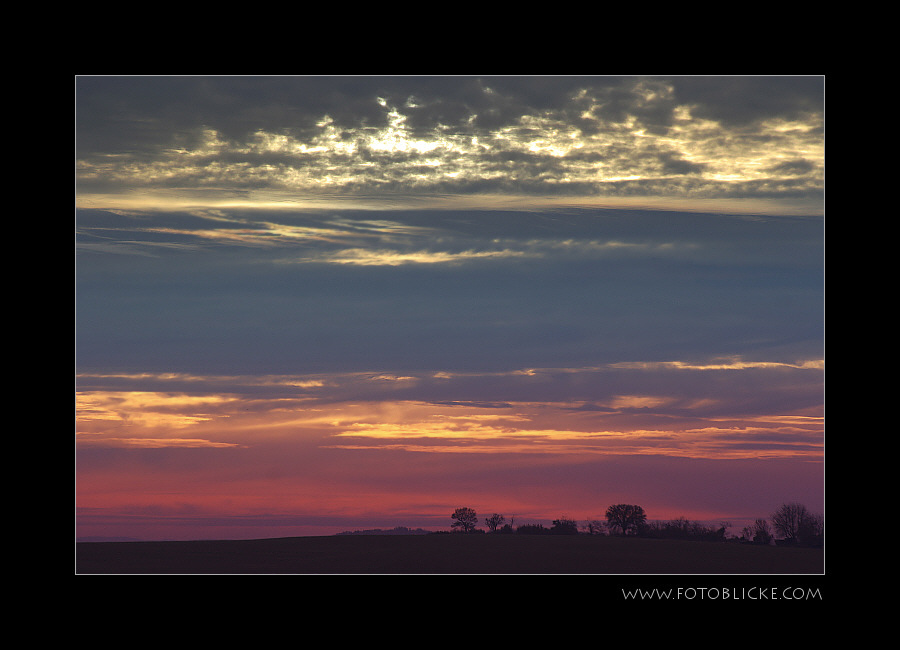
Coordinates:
<point>306,305</point>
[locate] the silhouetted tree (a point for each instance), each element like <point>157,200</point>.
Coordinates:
<point>683,528</point>
<point>564,526</point>
<point>531,529</point>
<point>465,519</point>
<point>762,533</point>
<point>721,531</point>
<point>680,528</point>
<point>797,524</point>
<point>626,518</point>
<point>812,532</point>
<point>494,521</point>
<point>593,527</point>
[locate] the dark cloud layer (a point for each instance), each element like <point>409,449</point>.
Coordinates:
<point>511,290</point>
<point>111,110</point>
<point>614,136</point>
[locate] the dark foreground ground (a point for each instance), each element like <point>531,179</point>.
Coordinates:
<point>445,554</point>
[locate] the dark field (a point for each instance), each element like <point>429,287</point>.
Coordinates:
<point>446,554</point>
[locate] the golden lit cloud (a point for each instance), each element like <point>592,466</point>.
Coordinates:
<point>153,443</point>
<point>693,157</point>
<point>706,442</point>
<point>638,401</point>
<point>209,381</point>
<point>726,364</point>
<point>628,423</point>
<point>522,429</point>
<point>146,409</point>
<point>137,418</point>
<point>367,257</point>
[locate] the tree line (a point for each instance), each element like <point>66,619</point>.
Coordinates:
<point>791,524</point>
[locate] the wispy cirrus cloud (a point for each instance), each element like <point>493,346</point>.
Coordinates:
<point>369,257</point>
<point>88,441</point>
<point>339,239</point>
<point>678,417</point>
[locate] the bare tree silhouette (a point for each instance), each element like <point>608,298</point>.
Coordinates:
<point>494,522</point>
<point>625,517</point>
<point>465,519</point>
<point>797,524</point>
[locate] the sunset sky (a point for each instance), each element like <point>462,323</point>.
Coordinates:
<point>306,305</point>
